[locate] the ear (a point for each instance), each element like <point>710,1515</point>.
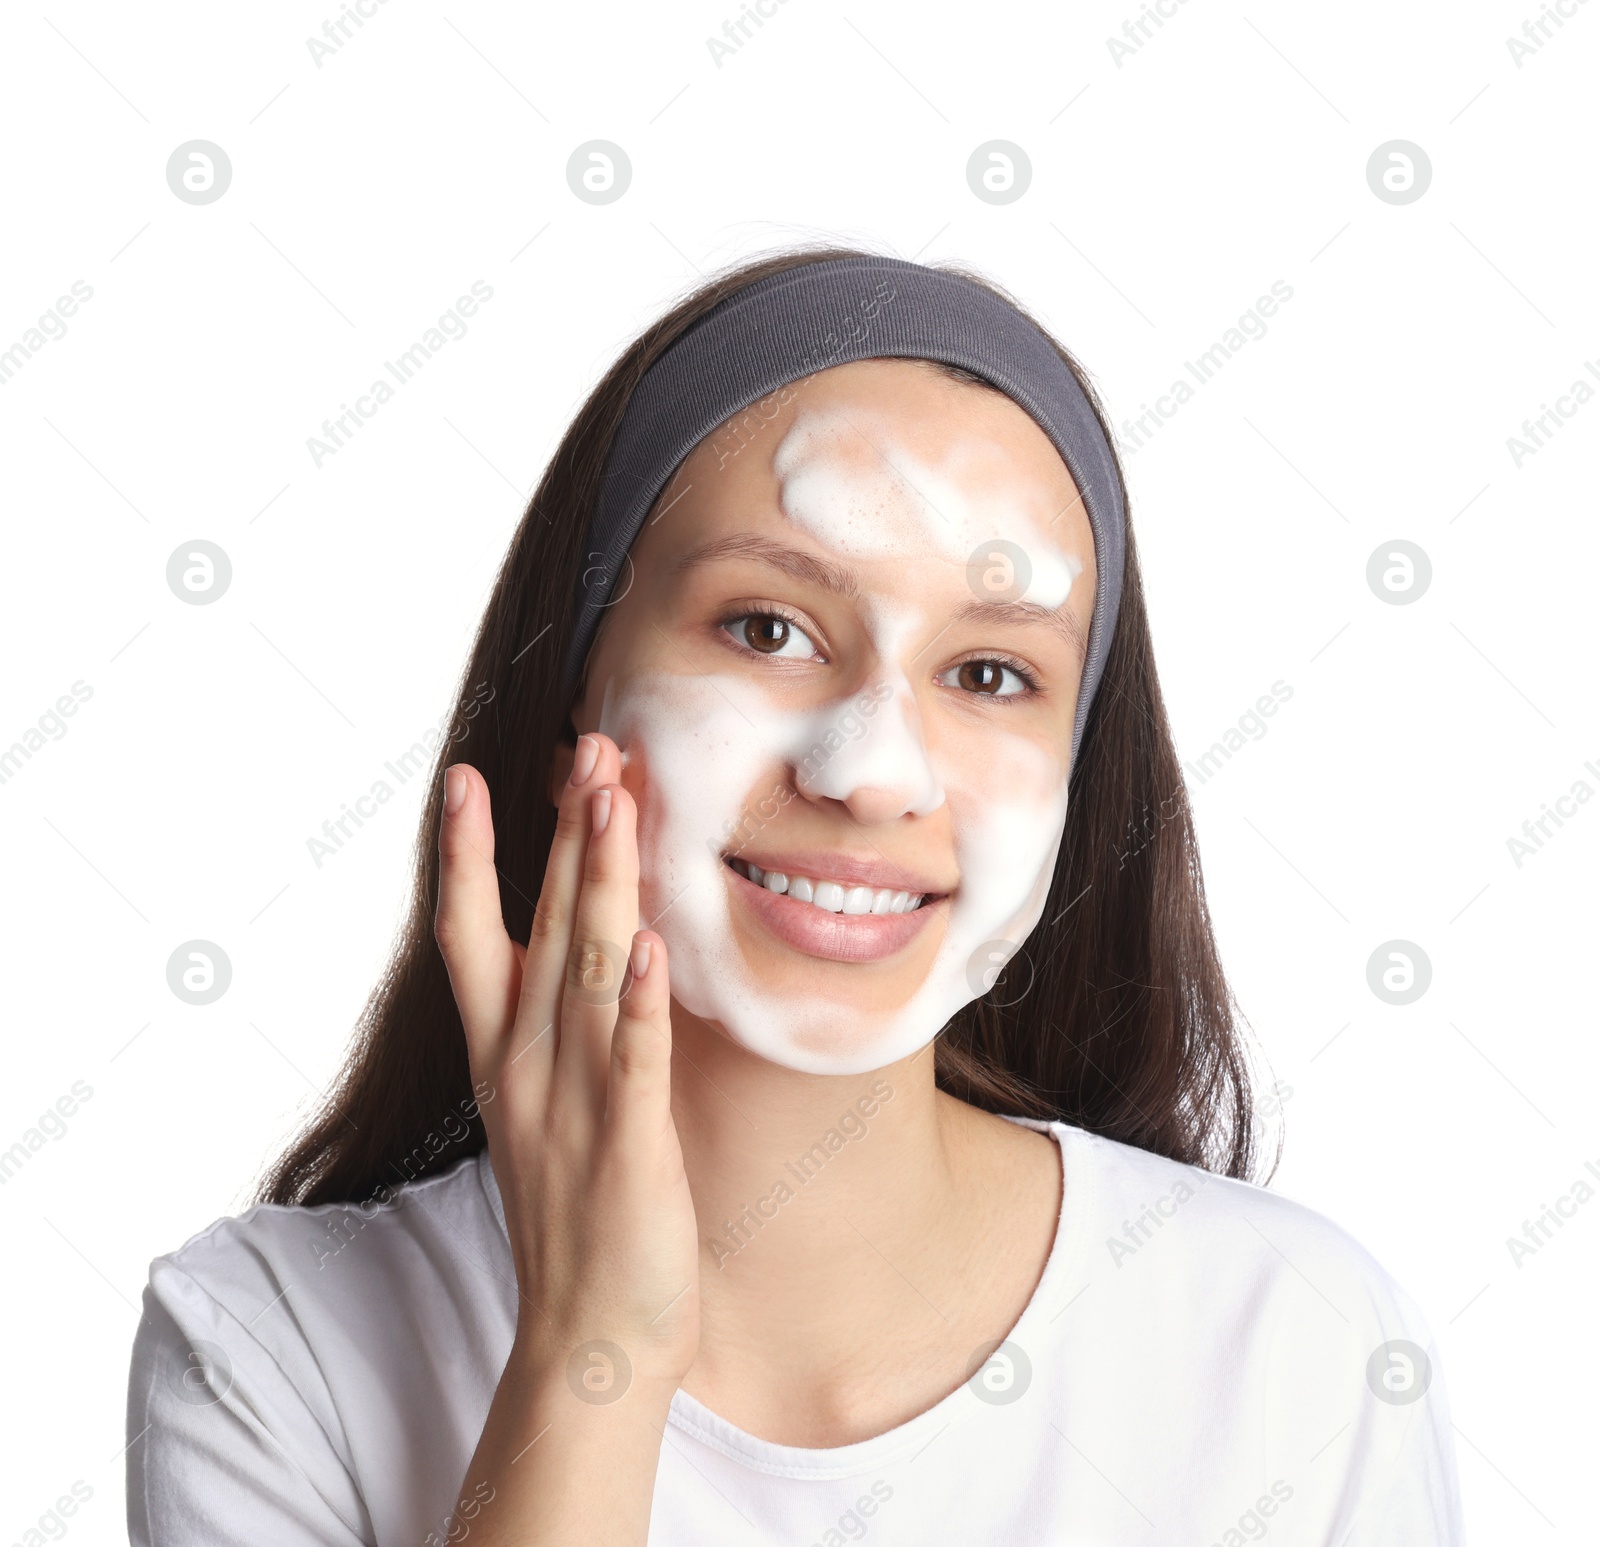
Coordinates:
<point>560,769</point>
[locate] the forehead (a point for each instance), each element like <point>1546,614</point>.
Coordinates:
<point>879,459</point>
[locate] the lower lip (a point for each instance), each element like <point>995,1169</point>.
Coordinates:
<point>840,937</point>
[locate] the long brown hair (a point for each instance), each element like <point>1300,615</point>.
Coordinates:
<point>1115,1017</point>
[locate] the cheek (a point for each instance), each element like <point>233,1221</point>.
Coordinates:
<point>697,763</point>
<point>642,778</point>
<point>1008,805</point>
<point>989,768</point>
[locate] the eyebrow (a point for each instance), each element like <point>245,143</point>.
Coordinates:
<point>841,582</point>
<point>792,561</point>
<point>999,614</point>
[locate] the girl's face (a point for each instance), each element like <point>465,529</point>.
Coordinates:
<point>842,673</point>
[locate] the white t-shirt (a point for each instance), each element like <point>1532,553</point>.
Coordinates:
<point>1202,1362</point>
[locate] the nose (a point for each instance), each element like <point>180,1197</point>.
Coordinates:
<point>873,760</point>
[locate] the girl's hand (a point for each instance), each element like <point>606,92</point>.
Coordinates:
<point>572,1037</point>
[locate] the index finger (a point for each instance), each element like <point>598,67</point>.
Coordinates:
<point>596,761</point>
<point>467,924</point>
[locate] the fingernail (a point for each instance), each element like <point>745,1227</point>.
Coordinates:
<point>602,810</point>
<point>455,790</point>
<point>641,958</point>
<point>584,759</point>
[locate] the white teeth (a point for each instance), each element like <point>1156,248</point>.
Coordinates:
<point>831,896</point>
<point>828,895</point>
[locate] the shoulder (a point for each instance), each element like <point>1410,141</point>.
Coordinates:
<point>317,1232</point>
<point>290,1361</point>
<point>333,1262</point>
<point>1264,1326</point>
<point>1238,1247</point>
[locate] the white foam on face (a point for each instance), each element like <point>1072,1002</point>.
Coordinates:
<point>713,750</point>
<point>846,483</point>
<point>719,752</point>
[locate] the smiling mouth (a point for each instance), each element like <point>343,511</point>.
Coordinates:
<point>830,896</point>
<point>832,919</point>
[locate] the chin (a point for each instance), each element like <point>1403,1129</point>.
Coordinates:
<point>825,1055</point>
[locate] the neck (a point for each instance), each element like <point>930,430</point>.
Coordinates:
<point>803,1186</point>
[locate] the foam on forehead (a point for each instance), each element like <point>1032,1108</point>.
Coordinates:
<point>848,483</point>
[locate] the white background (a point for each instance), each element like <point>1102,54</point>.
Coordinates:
<point>1167,194</point>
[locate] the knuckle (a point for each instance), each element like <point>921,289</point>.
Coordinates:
<point>552,918</point>
<point>611,864</point>
<point>595,969</point>
<point>571,822</point>
<point>638,1052</point>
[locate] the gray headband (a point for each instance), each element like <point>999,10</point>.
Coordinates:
<point>817,315</point>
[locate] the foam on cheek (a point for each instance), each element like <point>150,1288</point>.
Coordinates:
<point>697,770</point>
<point>1008,824</point>
<point>707,745</point>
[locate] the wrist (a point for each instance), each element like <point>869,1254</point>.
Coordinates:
<point>565,1375</point>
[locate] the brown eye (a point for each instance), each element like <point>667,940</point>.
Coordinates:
<point>766,633</point>
<point>992,679</point>
<point>980,676</point>
<point>772,635</point>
